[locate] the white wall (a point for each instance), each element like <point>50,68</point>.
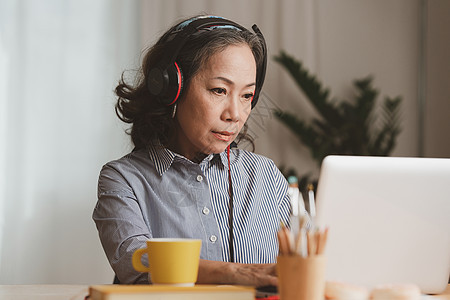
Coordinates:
<point>56,102</point>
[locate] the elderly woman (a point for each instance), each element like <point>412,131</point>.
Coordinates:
<point>185,177</point>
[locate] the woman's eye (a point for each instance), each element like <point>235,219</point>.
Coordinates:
<point>248,96</point>
<point>219,91</point>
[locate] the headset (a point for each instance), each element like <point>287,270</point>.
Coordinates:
<point>165,81</point>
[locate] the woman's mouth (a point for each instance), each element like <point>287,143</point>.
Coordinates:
<point>225,136</point>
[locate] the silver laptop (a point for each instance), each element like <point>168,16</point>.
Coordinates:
<point>389,220</point>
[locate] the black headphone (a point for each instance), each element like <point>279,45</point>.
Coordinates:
<point>165,81</point>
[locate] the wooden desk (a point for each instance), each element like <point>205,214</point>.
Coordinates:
<point>78,292</point>
<point>43,292</point>
<point>444,296</point>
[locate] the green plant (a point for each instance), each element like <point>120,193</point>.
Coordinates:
<point>353,127</point>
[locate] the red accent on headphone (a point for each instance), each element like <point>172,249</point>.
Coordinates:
<point>180,84</point>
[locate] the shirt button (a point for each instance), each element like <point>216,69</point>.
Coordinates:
<point>199,178</point>
<point>205,210</point>
<point>213,238</point>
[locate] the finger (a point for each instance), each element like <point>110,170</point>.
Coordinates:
<point>273,270</point>
<point>267,280</point>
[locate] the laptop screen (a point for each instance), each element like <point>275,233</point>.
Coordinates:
<point>388,219</point>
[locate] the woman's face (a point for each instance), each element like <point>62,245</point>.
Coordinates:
<point>216,104</point>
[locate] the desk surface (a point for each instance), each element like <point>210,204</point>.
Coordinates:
<point>43,291</point>
<point>78,292</point>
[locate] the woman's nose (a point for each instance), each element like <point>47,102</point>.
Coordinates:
<point>232,110</point>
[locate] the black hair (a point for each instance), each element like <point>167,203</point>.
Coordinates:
<point>151,120</point>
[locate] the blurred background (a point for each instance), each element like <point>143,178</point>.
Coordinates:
<point>60,61</point>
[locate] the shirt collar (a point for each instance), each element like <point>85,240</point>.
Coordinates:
<point>163,158</point>
<point>224,158</point>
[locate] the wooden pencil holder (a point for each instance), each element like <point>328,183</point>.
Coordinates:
<point>301,278</point>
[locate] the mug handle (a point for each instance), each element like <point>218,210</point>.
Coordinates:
<point>136,260</point>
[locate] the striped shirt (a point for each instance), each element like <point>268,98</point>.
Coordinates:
<point>158,193</point>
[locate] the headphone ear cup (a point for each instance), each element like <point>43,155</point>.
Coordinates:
<point>166,84</point>
<point>157,81</point>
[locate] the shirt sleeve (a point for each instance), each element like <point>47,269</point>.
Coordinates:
<point>120,225</point>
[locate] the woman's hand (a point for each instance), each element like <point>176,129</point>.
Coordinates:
<point>217,272</point>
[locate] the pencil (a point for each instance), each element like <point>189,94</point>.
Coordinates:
<point>322,241</point>
<point>312,245</point>
<point>283,240</point>
<point>312,202</point>
<point>290,240</point>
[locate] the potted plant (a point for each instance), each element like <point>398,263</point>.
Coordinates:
<point>351,126</point>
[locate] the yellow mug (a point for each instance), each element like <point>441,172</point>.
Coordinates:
<point>170,261</point>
